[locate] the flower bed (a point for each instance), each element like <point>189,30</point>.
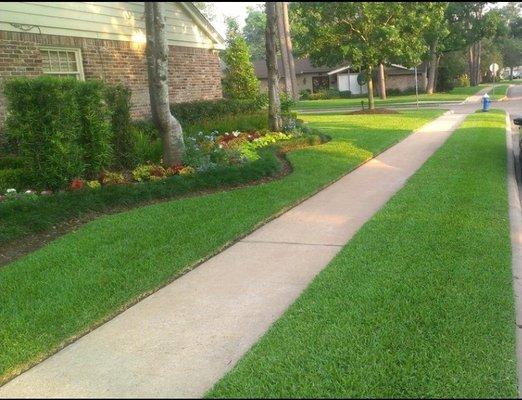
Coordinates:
<point>204,152</point>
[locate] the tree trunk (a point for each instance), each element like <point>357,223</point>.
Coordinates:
<point>282,45</point>
<point>471,62</point>
<point>425,77</point>
<point>149,28</point>
<point>433,67</point>
<point>382,82</point>
<point>477,62</point>
<point>274,104</point>
<point>168,127</point>
<point>437,62</point>
<point>510,73</point>
<point>290,49</point>
<point>371,102</point>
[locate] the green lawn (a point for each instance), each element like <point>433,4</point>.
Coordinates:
<point>65,288</point>
<point>499,92</point>
<point>457,94</point>
<point>419,303</point>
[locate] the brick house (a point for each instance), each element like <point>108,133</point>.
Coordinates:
<point>341,77</point>
<point>106,40</point>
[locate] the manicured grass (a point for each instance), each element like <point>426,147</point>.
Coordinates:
<point>419,303</point>
<point>75,282</point>
<point>499,92</point>
<point>457,94</point>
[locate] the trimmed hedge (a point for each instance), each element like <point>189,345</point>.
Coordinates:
<point>44,120</point>
<point>198,111</point>
<point>61,126</point>
<point>119,103</point>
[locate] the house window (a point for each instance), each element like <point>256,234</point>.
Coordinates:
<point>63,62</point>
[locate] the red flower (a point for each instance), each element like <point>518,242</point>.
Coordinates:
<point>77,184</point>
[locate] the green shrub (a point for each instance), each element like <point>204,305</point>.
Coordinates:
<point>463,80</point>
<point>228,123</point>
<point>95,130</point>
<point>325,94</point>
<point>240,81</point>
<point>345,94</point>
<point>304,94</point>
<point>119,103</point>
<point>16,178</point>
<point>146,143</point>
<point>43,119</point>
<point>207,110</point>
<point>13,162</point>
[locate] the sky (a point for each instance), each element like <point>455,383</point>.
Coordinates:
<point>231,9</point>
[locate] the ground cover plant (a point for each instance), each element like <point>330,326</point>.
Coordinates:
<point>418,304</point>
<point>74,283</point>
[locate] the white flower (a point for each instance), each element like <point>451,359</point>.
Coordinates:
<point>29,192</point>
<point>236,133</point>
<point>9,191</point>
<point>220,146</point>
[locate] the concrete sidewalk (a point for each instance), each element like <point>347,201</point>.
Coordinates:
<point>180,340</point>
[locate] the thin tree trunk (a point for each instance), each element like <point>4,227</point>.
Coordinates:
<point>510,73</point>
<point>425,77</point>
<point>289,47</point>
<point>437,62</point>
<point>471,62</point>
<point>371,102</point>
<point>282,45</point>
<point>274,104</point>
<point>477,62</point>
<point>168,127</point>
<point>151,64</point>
<point>381,82</point>
<point>433,67</point>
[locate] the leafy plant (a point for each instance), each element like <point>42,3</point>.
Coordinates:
<point>119,103</point>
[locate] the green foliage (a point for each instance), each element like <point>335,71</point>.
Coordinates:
<point>326,94</point>
<point>119,103</point>
<point>13,178</point>
<point>240,81</point>
<point>95,132</point>
<point>254,31</point>
<point>366,33</point>
<point>44,120</point>
<point>13,162</point>
<point>208,110</point>
<point>147,146</point>
<point>463,80</point>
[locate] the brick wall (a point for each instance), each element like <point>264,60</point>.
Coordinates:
<point>194,74</point>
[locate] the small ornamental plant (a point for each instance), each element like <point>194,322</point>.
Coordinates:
<point>93,184</point>
<point>111,178</point>
<point>77,184</point>
<point>187,171</point>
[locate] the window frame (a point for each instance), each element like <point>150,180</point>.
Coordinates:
<point>78,57</point>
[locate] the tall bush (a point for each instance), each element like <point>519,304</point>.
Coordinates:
<point>44,121</point>
<point>240,81</point>
<point>95,130</point>
<point>119,103</point>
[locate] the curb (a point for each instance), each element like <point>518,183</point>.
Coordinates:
<point>515,222</point>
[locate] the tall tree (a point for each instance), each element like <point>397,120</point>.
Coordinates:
<point>254,31</point>
<point>274,104</point>
<point>285,61</point>
<point>290,49</point>
<point>364,34</point>
<point>240,81</point>
<point>435,32</point>
<point>157,51</point>
<point>470,23</point>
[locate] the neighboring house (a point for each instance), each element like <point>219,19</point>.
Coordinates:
<point>341,77</point>
<point>106,40</point>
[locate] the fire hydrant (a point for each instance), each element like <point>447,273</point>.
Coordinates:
<point>486,102</point>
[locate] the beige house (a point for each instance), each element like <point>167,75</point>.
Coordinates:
<point>341,77</point>
<point>106,40</point>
